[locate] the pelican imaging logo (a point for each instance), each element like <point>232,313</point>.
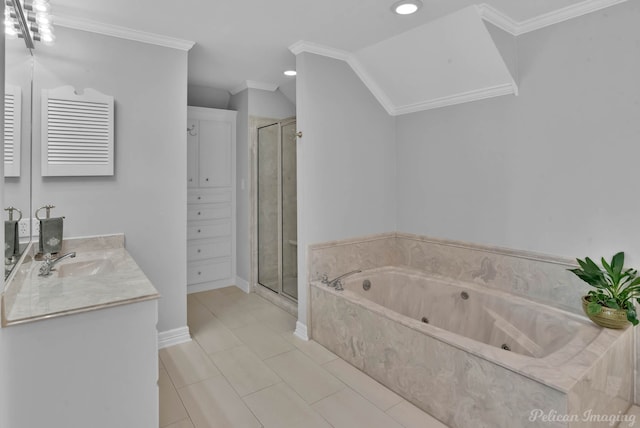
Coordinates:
<point>589,415</point>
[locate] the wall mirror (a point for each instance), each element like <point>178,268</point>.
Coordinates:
<point>19,63</point>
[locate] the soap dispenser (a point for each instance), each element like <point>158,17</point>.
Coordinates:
<point>50,236</point>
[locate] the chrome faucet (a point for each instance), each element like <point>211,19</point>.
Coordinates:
<point>49,262</point>
<point>337,282</point>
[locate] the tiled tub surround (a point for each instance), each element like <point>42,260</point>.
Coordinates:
<point>450,367</point>
<point>102,274</point>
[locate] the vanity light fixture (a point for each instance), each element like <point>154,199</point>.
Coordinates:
<point>406,7</point>
<point>290,73</point>
<point>29,20</point>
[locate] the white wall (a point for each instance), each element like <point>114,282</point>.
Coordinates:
<point>240,103</point>
<point>346,160</point>
<point>552,170</point>
<point>146,198</point>
<point>205,96</point>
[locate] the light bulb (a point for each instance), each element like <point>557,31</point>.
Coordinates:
<point>290,73</point>
<point>406,7</point>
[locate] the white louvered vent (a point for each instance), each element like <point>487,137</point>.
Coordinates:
<point>77,133</point>
<point>12,125</point>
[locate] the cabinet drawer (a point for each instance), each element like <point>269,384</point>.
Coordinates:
<point>206,196</point>
<point>209,250</point>
<point>208,212</point>
<point>208,271</point>
<point>209,230</point>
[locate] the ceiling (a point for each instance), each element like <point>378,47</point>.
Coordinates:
<point>248,40</point>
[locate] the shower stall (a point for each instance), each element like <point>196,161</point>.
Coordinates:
<point>277,244</point>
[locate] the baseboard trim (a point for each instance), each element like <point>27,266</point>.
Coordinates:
<point>301,331</point>
<point>173,337</point>
<point>242,284</point>
<point>207,286</point>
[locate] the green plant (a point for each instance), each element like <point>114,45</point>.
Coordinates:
<point>615,287</point>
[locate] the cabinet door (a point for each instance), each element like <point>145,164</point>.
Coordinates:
<point>214,159</point>
<point>192,153</point>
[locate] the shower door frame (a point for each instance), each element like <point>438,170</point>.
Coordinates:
<point>278,297</point>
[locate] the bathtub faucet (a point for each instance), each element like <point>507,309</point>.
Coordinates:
<point>337,282</point>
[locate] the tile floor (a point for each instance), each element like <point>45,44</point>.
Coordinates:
<point>245,369</point>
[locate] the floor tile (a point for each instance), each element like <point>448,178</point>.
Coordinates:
<point>307,378</point>
<point>410,416</point>
<point>171,408</point>
<point>280,407</point>
<point>235,317</point>
<point>185,423</point>
<point>213,403</point>
<point>348,409</point>
<point>187,363</point>
<point>263,341</point>
<point>197,314</point>
<point>214,336</point>
<point>244,370</point>
<point>318,353</point>
<point>275,318</point>
<point>378,394</point>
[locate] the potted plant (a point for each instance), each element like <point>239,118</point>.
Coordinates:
<point>610,303</point>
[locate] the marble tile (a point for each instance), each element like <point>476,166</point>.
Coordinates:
<point>409,416</point>
<point>312,349</point>
<point>187,363</point>
<point>263,341</point>
<point>244,370</point>
<point>338,257</point>
<point>171,408</point>
<point>376,393</point>
<point>185,423</point>
<point>307,378</point>
<point>347,409</point>
<point>414,365</point>
<point>214,403</point>
<point>280,407</point>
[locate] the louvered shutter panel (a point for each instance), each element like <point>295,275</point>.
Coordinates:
<point>77,133</point>
<point>12,128</point>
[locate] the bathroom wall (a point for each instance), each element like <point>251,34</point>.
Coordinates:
<point>258,103</point>
<point>552,170</point>
<point>146,198</point>
<point>346,160</point>
<point>205,96</point>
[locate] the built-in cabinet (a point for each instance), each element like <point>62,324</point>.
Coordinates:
<point>211,198</point>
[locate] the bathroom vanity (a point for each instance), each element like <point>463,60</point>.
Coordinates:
<point>85,336</point>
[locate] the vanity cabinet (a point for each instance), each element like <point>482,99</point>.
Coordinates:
<point>211,198</point>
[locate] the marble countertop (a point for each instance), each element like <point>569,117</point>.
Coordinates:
<point>103,274</point>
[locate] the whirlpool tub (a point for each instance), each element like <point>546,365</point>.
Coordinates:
<point>473,356</point>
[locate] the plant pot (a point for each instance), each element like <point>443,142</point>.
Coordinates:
<point>608,317</point>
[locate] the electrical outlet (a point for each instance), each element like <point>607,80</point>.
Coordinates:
<point>35,227</point>
<point>23,227</point>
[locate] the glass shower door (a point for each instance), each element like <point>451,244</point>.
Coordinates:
<point>268,207</point>
<point>277,208</point>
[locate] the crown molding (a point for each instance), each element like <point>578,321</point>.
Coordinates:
<point>370,83</point>
<point>252,84</point>
<point>318,49</point>
<point>465,97</point>
<point>89,25</point>
<point>504,22</point>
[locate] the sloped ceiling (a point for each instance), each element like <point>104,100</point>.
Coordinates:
<point>447,61</point>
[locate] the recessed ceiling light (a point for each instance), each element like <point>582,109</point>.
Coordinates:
<point>406,7</point>
<point>290,73</point>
